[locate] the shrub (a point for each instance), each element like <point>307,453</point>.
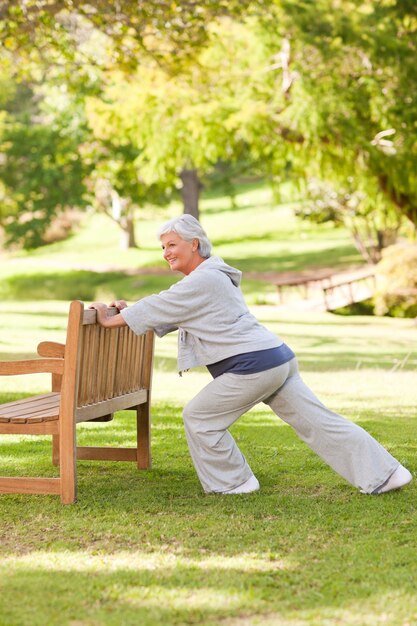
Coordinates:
<point>397,281</point>
<point>62,226</point>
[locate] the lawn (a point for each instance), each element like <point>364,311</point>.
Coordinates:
<point>257,235</point>
<point>148,547</point>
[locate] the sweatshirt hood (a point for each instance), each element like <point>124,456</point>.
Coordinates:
<point>217,263</point>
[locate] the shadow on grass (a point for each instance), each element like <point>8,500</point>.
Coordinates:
<point>153,590</point>
<point>148,547</point>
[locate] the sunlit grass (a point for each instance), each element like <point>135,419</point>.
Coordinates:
<point>148,547</point>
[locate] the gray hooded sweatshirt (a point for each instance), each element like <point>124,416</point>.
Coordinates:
<point>208,309</point>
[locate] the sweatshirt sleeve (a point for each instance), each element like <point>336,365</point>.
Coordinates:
<point>166,311</point>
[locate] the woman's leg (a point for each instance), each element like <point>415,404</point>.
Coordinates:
<point>346,447</point>
<point>218,461</point>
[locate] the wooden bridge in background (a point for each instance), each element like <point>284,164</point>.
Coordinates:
<point>325,289</point>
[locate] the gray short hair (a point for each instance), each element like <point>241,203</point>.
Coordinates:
<point>188,228</point>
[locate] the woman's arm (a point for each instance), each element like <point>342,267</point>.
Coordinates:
<point>116,321</point>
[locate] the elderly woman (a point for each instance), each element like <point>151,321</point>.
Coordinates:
<point>249,365</point>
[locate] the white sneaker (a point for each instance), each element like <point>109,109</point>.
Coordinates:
<point>398,479</point>
<point>250,485</point>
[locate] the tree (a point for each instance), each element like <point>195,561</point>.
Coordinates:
<point>41,169</point>
<point>115,184</point>
<point>350,110</point>
<point>183,125</point>
<point>374,224</point>
<point>170,32</point>
<point>304,90</point>
<point>50,40</point>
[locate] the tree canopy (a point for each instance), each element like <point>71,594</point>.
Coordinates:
<point>314,91</point>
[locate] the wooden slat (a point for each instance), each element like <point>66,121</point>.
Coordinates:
<point>23,400</point>
<point>103,364</point>
<point>31,366</point>
<point>95,453</point>
<point>39,428</point>
<point>36,408</point>
<point>93,364</point>
<point>100,361</point>
<point>120,360</point>
<point>32,405</point>
<point>42,416</point>
<point>30,485</point>
<point>113,341</point>
<point>83,366</point>
<point>89,366</point>
<point>141,363</point>
<point>131,372</point>
<point>148,360</point>
<point>124,365</point>
<point>112,405</point>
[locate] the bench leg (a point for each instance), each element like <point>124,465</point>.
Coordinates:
<point>67,460</point>
<point>55,449</point>
<point>143,420</point>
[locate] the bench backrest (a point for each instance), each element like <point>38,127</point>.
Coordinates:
<point>105,368</point>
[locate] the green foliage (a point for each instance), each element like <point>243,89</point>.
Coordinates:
<point>195,119</point>
<point>299,90</point>
<point>354,69</point>
<point>397,281</point>
<point>41,169</point>
<point>42,176</point>
<point>169,32</point>
<point>373,225</point>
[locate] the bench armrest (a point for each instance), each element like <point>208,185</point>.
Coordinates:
<point>32,366</point>
<point>51,349</point>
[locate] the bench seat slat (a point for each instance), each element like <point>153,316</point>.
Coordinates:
<point>32,406</point>
<point>31,410</point>
<point>23,400</point>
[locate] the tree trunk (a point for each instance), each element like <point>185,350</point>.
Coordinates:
<point>123,215</point>
<point>190,191</point>
<point>127,238</point>
<point>403,201</point>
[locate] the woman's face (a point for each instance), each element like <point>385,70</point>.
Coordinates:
<point>181,255</point>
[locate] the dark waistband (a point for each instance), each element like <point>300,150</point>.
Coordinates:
<point>252,362</point>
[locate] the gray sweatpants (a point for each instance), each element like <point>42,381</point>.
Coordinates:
<point>220,465</point>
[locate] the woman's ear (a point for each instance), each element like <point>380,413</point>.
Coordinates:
<point>195,245</point>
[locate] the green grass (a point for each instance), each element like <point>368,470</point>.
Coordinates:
<point>148,547</point>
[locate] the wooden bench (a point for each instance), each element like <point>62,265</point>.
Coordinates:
<point>95,373</point>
